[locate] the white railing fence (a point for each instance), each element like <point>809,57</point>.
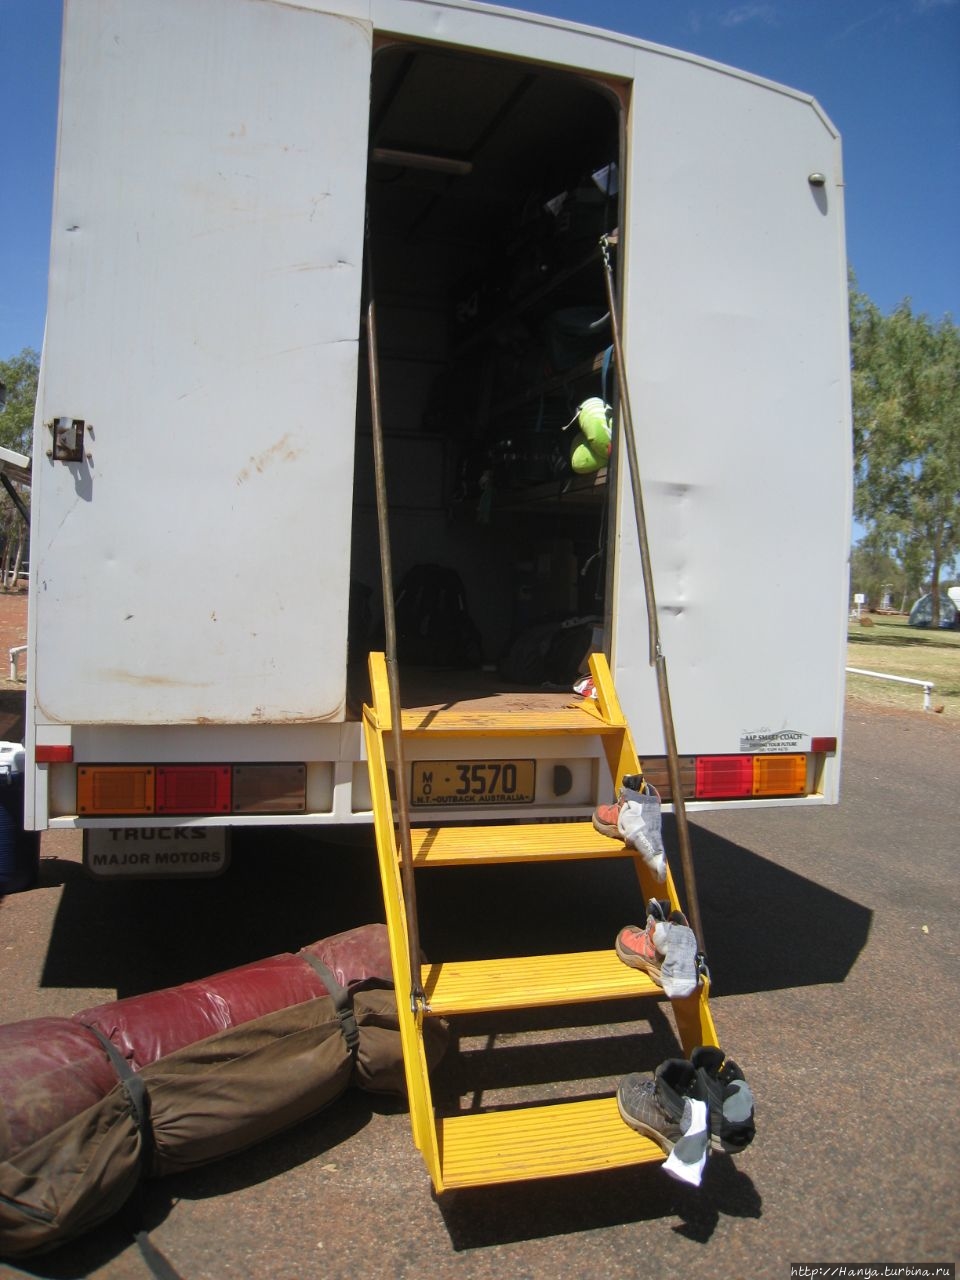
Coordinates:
<point>925,685</point>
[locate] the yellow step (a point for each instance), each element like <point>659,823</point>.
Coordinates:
<point>418,723</point>
<point>527,982</point>
<point>470,844</point>
<point>477,1149</point>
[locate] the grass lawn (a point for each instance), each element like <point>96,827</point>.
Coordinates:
<point>890,646</point>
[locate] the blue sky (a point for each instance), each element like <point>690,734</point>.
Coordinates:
<point>887,72</point>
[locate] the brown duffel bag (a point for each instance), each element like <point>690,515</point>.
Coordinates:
<point>201,1103</point>
<point>205,1101</point>
<point>52,1069</point>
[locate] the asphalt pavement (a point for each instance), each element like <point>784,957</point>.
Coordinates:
<point>832,936</point>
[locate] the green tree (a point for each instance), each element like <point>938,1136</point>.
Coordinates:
<point>906,421</point>
<point>19,376</point>
<point>874,571</point>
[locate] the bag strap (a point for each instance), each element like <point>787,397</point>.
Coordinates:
<point>341,1001</point>
<point>135,1089</point>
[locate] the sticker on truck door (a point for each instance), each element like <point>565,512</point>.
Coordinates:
<point>758,741</point>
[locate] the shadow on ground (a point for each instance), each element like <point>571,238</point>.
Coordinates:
<point>154,1199</point>
<point>925,639</point>
<point>492,1216</point>
<point>756,915</point>
<point>283,891</point>
<point>480,1218</point>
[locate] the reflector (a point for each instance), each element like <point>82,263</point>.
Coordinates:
<point>269,788</point>
<point>193,788</point>
<point>724,776</point>
<point>115,789</point>
<point>777,775</point>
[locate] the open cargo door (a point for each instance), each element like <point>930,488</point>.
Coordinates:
<point>202,327</point>
<point>733,303</point>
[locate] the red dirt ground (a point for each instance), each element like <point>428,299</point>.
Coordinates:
<point>13,619</point>
<point>13,632</point>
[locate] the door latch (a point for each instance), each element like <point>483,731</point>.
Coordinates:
<point>67,439</point>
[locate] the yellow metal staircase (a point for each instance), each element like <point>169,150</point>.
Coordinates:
<point>546,1140</point>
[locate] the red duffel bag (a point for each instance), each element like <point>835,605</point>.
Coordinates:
<point>89,1105</point>
<point>147,1027</point>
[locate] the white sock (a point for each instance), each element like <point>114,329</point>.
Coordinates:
<point>639,824</point>
<point>678,945</point>
<point>689,1156</point>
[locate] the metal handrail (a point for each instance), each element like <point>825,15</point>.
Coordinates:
<point>657,659</point>
<point>926,685</point>
<point>418,1000</point>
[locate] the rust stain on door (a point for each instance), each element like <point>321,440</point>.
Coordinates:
<point>282,451</point>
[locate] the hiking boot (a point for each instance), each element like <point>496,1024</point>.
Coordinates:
<point>729,1099</point>
<point>636,820</point>
<point>605,819</point>
<point>663,913</point>
<point>635,947</point>
<point>676,1080</point>
<point>639,1107</point>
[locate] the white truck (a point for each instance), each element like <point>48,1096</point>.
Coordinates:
<point>205,562</point>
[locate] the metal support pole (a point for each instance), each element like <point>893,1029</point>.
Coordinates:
<point>657,659</point>
<point>417,997</point>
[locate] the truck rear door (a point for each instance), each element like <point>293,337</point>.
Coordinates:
<point>191,549</point>
<point>736,347</point>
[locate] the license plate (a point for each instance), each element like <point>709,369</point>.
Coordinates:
<point>473,782</point>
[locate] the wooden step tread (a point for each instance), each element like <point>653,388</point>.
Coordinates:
<point>470,844</point>
<point>478,1149</point>
<point>527,982</point>
<point>458,723</point>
